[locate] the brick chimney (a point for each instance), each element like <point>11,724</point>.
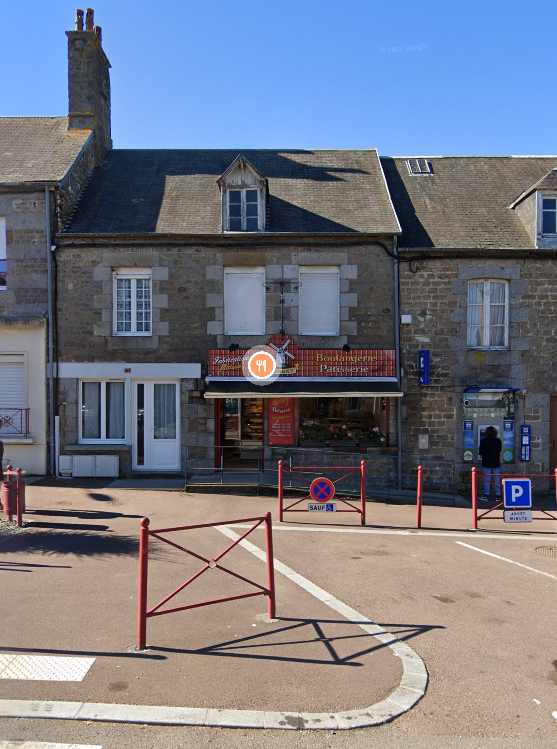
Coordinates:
<point>89,82</point>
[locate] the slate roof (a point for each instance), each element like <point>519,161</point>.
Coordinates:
<point>465,202</point>
<point>176,192</point>
<point>38,149</point>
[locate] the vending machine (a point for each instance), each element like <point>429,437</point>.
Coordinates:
<point>484,407</point>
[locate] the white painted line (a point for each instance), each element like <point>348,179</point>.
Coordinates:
<point>414,680</point>
<point>417,532</point>
<point>510,561</point>
<point>44,745</point>
<point>45,668</point>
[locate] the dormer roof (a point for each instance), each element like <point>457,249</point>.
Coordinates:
<point>249,174</point>
<point>547,182</point>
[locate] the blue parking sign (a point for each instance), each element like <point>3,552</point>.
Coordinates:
<point>517,493</point>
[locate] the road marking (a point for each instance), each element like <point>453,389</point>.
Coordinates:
<point>510,561</point>
<point>44,745</point>
<point>44,667</point>
<point>386,532</point>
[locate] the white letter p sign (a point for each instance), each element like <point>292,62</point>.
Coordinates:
<point>516,492</point>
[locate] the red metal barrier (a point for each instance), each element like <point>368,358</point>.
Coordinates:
<point>544,479</point>
<point>294,471</point>
<point>144,614</point>
<point>14,495</point>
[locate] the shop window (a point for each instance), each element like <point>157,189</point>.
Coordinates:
<point>334,421</point>
<point>102,407</point>
<point>488,314</point>
<point>132,302</point>
<point>3,261</point>
<point>319,304</point>
<point>244,301</point>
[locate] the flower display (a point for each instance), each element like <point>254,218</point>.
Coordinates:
<point>314,431</point>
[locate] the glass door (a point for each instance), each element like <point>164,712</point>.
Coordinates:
<point>156,444</point>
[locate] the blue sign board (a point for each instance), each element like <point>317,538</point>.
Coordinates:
<point>508,441</point>
<point>517,493</point>
<point>468,441</point>
<point>423,367</point>
<point>525,442</point>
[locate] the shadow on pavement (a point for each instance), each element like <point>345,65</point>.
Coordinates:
<point>308,632</point>
<point>82,514</point>
<point>80,543</point>
<point>89,653</point>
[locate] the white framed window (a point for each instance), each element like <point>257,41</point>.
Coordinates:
<point>102,411</point>
<point>2,254</point>
<point>244,301</point>
<point>132,302</point>
<point>488,314</point>
<point>319,300</point>
<point>243,206</point>
<point>549,214</point>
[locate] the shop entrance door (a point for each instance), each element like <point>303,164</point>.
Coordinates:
<point>156,439</point>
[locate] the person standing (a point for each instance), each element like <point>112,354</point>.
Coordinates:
<point>1,452</point>
<point>490,450</point>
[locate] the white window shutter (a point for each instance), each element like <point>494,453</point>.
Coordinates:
<point>12,381</point>
<point>244,301</point>
<point>319,301</point>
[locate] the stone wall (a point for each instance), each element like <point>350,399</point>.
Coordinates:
<point>436,297</point>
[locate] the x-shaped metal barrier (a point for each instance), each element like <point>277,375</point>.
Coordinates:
<point>213,563</point>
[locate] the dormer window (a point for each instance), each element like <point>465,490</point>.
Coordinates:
<point>549,215</point>
<point>243,210</point>
<point>244,197</point>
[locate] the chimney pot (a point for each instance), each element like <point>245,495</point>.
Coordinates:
<point>78,19</point>
<point>99,32</point>
<point>89,23</point>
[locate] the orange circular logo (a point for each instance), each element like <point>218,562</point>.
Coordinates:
<point>262,365</point>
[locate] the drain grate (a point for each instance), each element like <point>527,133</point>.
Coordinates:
<point>547,551</point>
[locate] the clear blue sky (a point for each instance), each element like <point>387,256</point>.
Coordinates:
<point>302,73</point>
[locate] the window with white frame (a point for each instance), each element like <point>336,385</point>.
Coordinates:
<point>243,209</point>
<point>132,302</point>
<point>488,314</point>
<point>244,301</point>
<point>549,215</point>
<point>102,407</point>
<point>319,300</point>
<point>2,254</point>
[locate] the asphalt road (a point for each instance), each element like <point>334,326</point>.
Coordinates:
<point>482,622</point>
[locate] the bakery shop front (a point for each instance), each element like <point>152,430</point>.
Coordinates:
<point>334,399</point>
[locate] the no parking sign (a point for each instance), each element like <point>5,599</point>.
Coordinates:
<point>322,490</point>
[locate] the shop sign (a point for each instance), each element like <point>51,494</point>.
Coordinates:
<point>508,441</point>
<point>281,421</point>
<point>423,367</point>
<point>296,362</point>
<point>468,441</point>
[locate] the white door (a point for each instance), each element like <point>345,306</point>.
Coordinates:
<point>156,440</point>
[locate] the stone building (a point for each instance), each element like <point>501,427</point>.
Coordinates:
<point>44,165</point>
<point>177,263</point>
<point>478,272</point>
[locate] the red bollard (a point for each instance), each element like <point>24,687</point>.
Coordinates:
<point>419,497</point>
<point>143,567</point>
<point>270,566</point>
<point>280,488</point>
<point>9,499</point>
<point>474,498</point>
<point>362,492</point>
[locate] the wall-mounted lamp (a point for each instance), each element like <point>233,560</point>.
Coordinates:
<point>346,347</point>
<point>233,347</point>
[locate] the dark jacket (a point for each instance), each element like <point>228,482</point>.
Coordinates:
<point>490,450</point>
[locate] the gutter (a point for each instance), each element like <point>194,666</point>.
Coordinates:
<point>49,250</point>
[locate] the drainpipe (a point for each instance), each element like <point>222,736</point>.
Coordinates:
<point>49,250</point>
<point>397,359</point>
